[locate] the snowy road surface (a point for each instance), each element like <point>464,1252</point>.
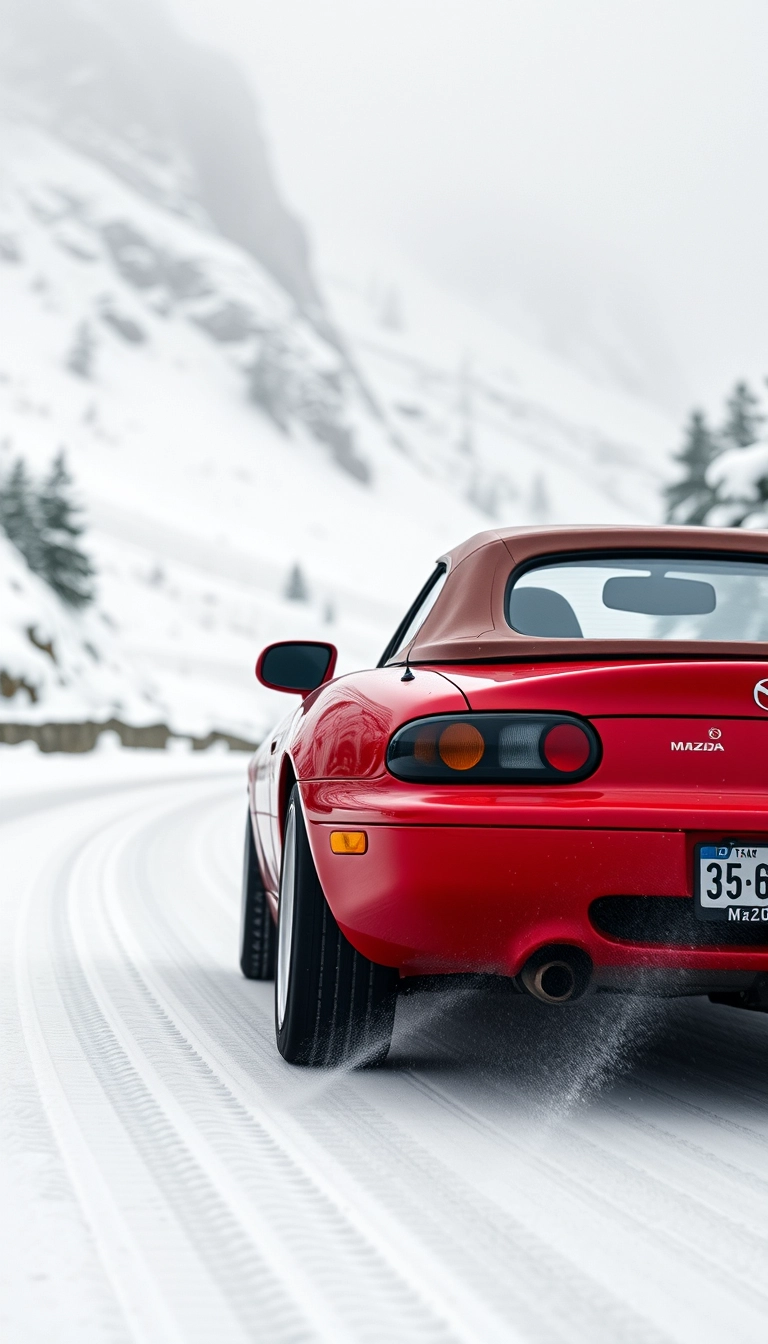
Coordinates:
<point>515,1173</point>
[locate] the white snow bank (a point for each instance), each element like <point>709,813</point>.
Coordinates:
<point>26,771</point>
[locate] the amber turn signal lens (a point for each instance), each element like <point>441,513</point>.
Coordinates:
<point>349,842</point>
<point>461,746</point>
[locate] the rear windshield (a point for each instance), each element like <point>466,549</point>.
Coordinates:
<point>636,597</point>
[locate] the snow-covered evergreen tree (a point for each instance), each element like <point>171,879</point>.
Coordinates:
<point>82,352</point>
<point>18,513</point>
<point>726,473</point>
<point>296,589</point>
<point>689,500</point>
<point>62,563</point>
<point>744,418</point>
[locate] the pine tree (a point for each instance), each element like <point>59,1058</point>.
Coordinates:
<point>18,513</point>
<point>689,500</point>
<point>742,425</point>
<point>296,589</point>
<point>62,564</point>
<point>81,354</point>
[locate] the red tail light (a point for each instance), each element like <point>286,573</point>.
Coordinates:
<point>507,748</point>
<point>566,747</point>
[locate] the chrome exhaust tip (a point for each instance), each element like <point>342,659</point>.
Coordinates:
<point>556,974</point>
<point>554,982</point>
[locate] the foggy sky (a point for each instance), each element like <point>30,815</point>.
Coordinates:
<point>591,171</point>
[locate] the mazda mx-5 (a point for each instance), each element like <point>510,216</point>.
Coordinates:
<point>556,773</point>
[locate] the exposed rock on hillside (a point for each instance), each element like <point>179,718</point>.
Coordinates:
<point>175,121</point>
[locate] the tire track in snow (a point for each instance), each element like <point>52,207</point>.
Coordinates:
<point>49,1245</point>
<point>14,809</point>
<point>662,1210</point>
<point>180,1264</point>
<point>691,1207</point>
<point>234,1198</point>
<point>102,1168</point>
<point>310,1240</point>
<point>471,1235</point>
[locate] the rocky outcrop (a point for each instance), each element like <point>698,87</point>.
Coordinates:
<point>175,120</point>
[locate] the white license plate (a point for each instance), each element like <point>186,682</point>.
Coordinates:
<point>732,883</point>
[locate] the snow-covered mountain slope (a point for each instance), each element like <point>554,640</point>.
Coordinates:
<point>209,467</point>
<point>225,423</point>
<point>116,79</point>
<point>68,663</point>
<point>521,435</point>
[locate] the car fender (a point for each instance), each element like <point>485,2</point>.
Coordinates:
<point>345,727</point>
<point>341,732</point>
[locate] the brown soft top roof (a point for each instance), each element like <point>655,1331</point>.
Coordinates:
<point>468,624</point>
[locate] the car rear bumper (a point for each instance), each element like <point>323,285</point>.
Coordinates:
<point>441,895</point>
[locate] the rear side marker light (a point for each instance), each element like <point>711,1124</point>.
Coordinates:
<point>349,842</point>
<point>494,748</point>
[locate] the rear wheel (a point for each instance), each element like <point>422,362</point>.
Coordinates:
<point>332,1005</point>
<point>258,935</point>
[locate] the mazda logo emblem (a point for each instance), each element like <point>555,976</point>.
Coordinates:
<point>761,694</point>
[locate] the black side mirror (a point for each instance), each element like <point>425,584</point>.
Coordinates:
<point>296,666</point>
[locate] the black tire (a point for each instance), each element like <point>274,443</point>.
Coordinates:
<point>332,1006</point>
<point>258,936</point>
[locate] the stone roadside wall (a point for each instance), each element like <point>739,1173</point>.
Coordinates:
<point>78,737</point>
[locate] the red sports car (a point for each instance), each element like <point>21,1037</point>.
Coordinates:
<point>558,772</point>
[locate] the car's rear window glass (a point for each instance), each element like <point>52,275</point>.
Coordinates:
<point>636,597</point>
